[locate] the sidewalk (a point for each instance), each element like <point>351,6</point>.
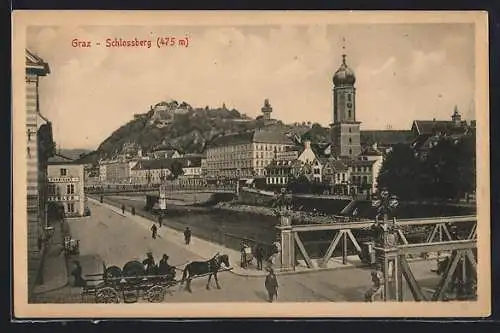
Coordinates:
<point>54,266</point>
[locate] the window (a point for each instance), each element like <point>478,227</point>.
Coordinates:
<point>349,98</point>
<point>365,180</point>
<point>51,189</point>
<point>350,151</point>
<point>350,140</point>
<point>349,130</point>
<point>70,189</point>
<point>71,207</point>
<point>349,113</point>
<point>343,177</point>
<point>64,172</point>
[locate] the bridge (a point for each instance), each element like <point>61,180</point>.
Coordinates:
<point>393,259</point>
<point>439,232</point>
<point>155,190</point>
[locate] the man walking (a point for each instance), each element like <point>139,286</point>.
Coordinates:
<point>154,231</point>
<point>271,285</point>
<point>123,209</point>
<point>259,254</point>
<point>187,235</point>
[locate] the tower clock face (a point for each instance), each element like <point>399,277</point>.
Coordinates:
<point>349,105</point>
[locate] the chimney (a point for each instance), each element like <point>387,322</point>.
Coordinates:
<point>307,144</point>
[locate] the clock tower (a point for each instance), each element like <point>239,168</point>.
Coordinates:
<point>345,133</point>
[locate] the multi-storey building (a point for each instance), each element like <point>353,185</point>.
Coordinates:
<point>336,175</point>
<point>245,154</point>
<point>39,148</point>
<point>66,182</point>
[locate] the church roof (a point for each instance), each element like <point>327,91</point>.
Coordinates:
<point>344,75</point>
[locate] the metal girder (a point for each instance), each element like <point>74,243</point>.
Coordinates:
<point>303,250</point>
<point>437,246</point>
<point>415,289</point>
<point>472,260</point>
<point>473,232</point>
<point>432,235</point>
<point>367,224</point>
<point>402,237</point>
<point>353,240</point>
<point>445,281</point>
<point>331,248</point>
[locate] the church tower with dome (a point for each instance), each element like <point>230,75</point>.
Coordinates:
<point>345,133</point>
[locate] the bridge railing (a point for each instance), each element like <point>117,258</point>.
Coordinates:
<point>435,229</point>
<point>156,188</point>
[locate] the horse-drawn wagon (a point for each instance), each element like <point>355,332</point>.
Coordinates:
<point>134,281</point>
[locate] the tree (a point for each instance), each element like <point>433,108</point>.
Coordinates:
<point>400,173</point>
<point>451,168</point>
<point>176,169</point>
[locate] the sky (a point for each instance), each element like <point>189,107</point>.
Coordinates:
<point>403,72</point>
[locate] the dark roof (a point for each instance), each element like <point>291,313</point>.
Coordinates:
<point>385,138</point>
<point>270,135</point>
<point>432,126</point>
<point>168,152</point>
<point>61,159</point>
<point>337,165</point>
<point>320,148</point>
<point>166,163</point>
<point>36,64</point>
<point>370,151</point>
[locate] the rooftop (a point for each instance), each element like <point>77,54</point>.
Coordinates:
<point>385,137</point>
<point>265,135</point>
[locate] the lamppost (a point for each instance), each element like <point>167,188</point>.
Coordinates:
<point>385,246</point>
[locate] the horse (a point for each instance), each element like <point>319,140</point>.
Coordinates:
<point>199,268</point>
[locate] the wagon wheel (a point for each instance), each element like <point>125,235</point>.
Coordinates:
<point>155,294</point>
<point>107,295</point>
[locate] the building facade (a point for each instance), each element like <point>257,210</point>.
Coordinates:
<point>66,182</point>
<point>246,154</point>
<point>345,130</point>
<point>39,147</point>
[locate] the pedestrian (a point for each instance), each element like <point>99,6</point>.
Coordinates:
<point>160,218</point>
<point>259,254</point>
<point>271,285</point>
<point>133,211</point>
<point>243,261</point>
<point>149,263</point>
<point>77,275</point>
<point>355,214</point>
<point>187,235</point>
<point>154,231</point>
<point>123,209</point>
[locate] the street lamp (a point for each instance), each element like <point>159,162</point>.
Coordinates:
<point>385,241</point>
